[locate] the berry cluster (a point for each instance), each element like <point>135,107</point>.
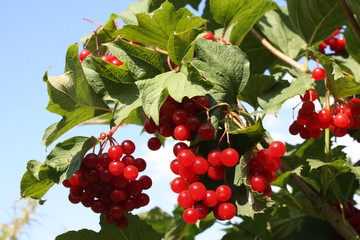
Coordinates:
<point>108,185</point>
<point>336,43</point>
<point>108,58</point>
<point>351,213</point>
<point>180,121</point>
<point>339,118</point>
<point>263,167</point>
<point>193,195</point>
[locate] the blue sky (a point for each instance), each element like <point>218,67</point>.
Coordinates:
<point>35,35</point>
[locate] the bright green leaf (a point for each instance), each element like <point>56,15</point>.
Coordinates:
<point>315,20</point>
<point>72,97</point>
<point>352,44</point>
<point>158,219</point>
<point>278,29</point>
<point>225,66</point>
<point>119,74</point>
<point>348,64</point>
<point>129,15</point>
<point>154,30</point>
<point>154,4</point>
<point>283,178</point>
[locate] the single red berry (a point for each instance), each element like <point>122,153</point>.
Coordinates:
<point>197,191</point>
<point>318,73</point>
<point>214,158</point>
<point>273,165</point>
<point>134,188</point>
<point>200,165</point>
<point>128,147</point>
<point>118,195</point>
<point>191,215</point>
<point>216,173</point>
<point>324,116</point>
<point>223,193</point>
<point>178,185</point>
<point>140,164</point>
<point>131,173</point>
<point>206,131</point>
<point>117,210</point>
<point>174,166</point>
<point>115,152</point>
<point>264,156</point>
<point>186,158</point>
<point>226,210</point>
<point>154,143</point>
<point>258,183</point>
<point>145,182</point>
<point>229,157</point>
<point>99,206</point>
<point>150,126</point>
<point>116,62</point>
<point>210,199</point>
<point>91,160</point>
<point>277,148</point>
<point>179,116</point>
<point>178,147</point>
<point>116,168</point>
<point>193,123</point>
<point>83,54</point>
<point>185,200</point>
<point>203,210</point>
<point>182,133</point>
<point>209,36</point>
<point>201,102</point>
<point>341,120</point>
<point>310,95</point>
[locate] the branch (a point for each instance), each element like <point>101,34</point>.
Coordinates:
<point>351,18</point>
<point>275,51</point>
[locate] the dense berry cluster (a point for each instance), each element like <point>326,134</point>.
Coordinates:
<point>108,183</point>
<point>351,213</point>
<point>339,118</point>
<point>108,58</point>
<point>263,167</point>
<point>180,121</point>
<point>193,196</point>
<point>336,43</point>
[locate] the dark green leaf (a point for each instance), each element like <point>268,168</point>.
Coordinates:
<point>83,234</point>
<point>225,66</point>
<point>176,84</point>
<point>315,20</point>
<point>142,62</point>
<point>256,85</point>
<point>72,97</point>
<point>35,182</point>
<point>352,44</point>
<point>354,5</point>
<point>65,159</point>
<point>179,43</point>
<point>281,227</point>
<point>340,165</point>
<point>158,219</point>
<point>155,30</point>
<point>278,29</point>
<point>341,86</point>
<point>103,35</point>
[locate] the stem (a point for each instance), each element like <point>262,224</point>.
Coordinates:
<point>351,18</point>
<point>275,51</point>
<point>93,22</point>
<point>324,170</point>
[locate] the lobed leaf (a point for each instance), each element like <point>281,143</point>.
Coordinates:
<point>129,15</point>
<point>155,29</point>
<point>154,4</point>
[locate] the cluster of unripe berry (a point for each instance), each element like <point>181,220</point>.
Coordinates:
<point>351,214</point>
<point>263,167</point>
<point>108,183</point>
<point>339,118</point>
<point>336,43</point>
<point>108,58</point>
<point>193,196</point>
<point>180,121</point>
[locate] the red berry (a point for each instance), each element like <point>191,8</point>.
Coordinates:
<point>201,102</point>
<point>140,164</point>
<point>264,156</point>
<point>179,116</point>
<point>203,210</point>
<point>83,54</point>
<point>154,143</point>
<point>116,62</point>
<point>182,133</point>
<point>186,158</point>
<point>200,165</point>
<point>178,185</point>
<point>214,158</point>
<point>150,126</point>
<point>318,73</point>
<point>131,173</point>
<point>116,168</point>
<point>145,182</point>
<point>258,183</point>
<point>216,173</point>
<point>185,200</point>
<point>226,210</point>
<point>197,191</point>
<point>223,193</point>
<point>117,210</point>
<point>310,95</point>
<point>134,188</point>
<point>115,152</point>
<point>128,147</point>
<point>229,157</point>
<point>118,195</point>
<point>178,147</point>
<point>91,160</point>
<point>341,120</point>
<point>174,166</point>
<point>277,148</point>
<point>193,123</point>
<point>210,199</point>
<point>209,35</point>
<point>206,131</point>
<point>191,215</point>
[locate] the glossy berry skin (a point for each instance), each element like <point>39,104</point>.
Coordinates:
<point>341,120</point>
<point>226,210</point>
<point>216,173</point>
<point>178,185</point>
<point>131,173</point>
<point>223,193</point>
<point>191,215</point>
<point>258,183</point>
<point>210,199</point>
<point>186,158</point>
<point>128,147</point>
<point>182,133</point>
<point>197,191</point>
<point>277,148</point>
<point>203,210</point>
<point>115,152</point>
<point>154,144</point>
<point>318,73</point>
<point>116,168</point>
<point>178,147</point>
<point>209,36</point>
<point>229,157</point>
<point>185,200</point>
<point>214,158</point>
<point>83,54</point>
<point>206,131</point>
<point>200,165</point>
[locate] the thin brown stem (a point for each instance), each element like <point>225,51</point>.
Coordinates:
<point>275,51</point>
<point>351,18</point>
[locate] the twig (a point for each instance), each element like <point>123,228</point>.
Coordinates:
<point>275,51</point>
<point>351,18</point>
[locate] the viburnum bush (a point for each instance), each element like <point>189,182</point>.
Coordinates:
<point>208,82</point>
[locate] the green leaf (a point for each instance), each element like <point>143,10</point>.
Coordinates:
<point>154,30</point>
<point>257,85</point>
<point>103,35</point>
<point>341,86</point>
<point>142,62</point>
<point>35,182</point>
<point>65,158</point>
<point>348,64</point>
<point>272,100</point>
<point>340,165</point>
<point>211,24</point>
<point>315,20</point>
<point>154,4</point>
<point>278,29</point>
<point>283,179</point>
<point>281,227</point>
<point>352,44</point>
<point>177,84</point>
<point>227,12</point>
<point>260,58</point>
<point>158,219</point>
<point>225,66</point>
<point>119,74</point>
<point>179,43</point>
<point>129,15</point>
<point>251,12</point>
<point>72,97</point>
<point>136,230</point>
<point>126,97</point>
<point>354,5</point>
